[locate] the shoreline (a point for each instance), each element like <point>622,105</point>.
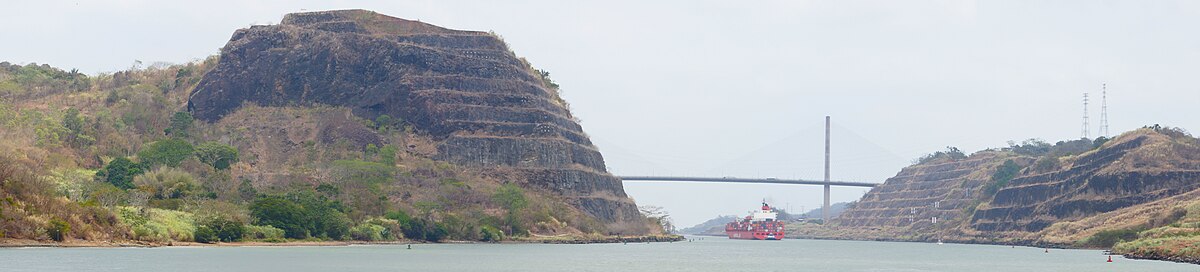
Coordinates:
<point>27,243</point>
<point>1156,257</point>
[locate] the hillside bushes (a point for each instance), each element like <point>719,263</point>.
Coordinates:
<point>302,215</point>
<point>158,225</point>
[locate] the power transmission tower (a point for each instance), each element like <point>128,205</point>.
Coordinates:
<point>1085,116</point>
<point>1103,110</point>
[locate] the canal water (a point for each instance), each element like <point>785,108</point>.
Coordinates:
<point>703,254</point>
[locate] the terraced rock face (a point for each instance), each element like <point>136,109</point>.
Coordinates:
<point>1134,169</point>
<point>942,189</point>
<point>483,105</point>
<point>1130,179</point>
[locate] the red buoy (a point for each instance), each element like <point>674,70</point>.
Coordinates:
<point>1110,258</point>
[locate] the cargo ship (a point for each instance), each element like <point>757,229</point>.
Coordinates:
<point>759,225</point>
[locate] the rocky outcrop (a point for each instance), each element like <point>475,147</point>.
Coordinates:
<point>1139,168</point>
<point>1119,175</point>
<point>939,189</point>
<point>484,106</point>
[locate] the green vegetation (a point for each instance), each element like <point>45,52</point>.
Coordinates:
<point>118,157</point>
<point>263,233</point>
<point>169,152</point>
<point>120,172</point>
<point>1002,176</point>
<point>181,125</point>
<point>512,198</point>
<point>58,230</point>
<point>167,183</point>
<point>1108,238</point>
<point>951,153</point>
<point>158,225</point>
<point>217,155</point>
<point>362,171</point>
<point>302,215</point>
<point>219,230</point>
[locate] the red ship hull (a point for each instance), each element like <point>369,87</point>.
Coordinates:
<point>770,230</point>
<point>760,225</point>
<point>753,235</point>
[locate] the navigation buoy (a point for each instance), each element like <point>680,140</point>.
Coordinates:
<point>1110,258</point>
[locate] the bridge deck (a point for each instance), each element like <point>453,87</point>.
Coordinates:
<point>751,180</point>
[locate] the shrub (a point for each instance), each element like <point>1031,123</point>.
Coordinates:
<point>1108,238</point>
<point>363,171</point>
<point>181,124</point>
<point>511,197</point>
<point>302,214</point>
<point>280,213</point>
<point>167,183</point>
<point>204,234</point>
<point>491,234</point>
<point>1005,173</point>
<point>951,153</point>
<point>169,152</point>
<point>392,228</point>
<point>166,204</point>
<point>217,155</point>
<point>158,225</point>
<point>368,232</point>
<point>58,230</point>
<point>262,233</point>
<point>419,229</point>
<point>1031,147</point>
<point>120,172</point>
<point>223,230</point>
<point>387,155</point>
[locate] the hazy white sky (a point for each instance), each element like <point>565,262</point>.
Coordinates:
<point>740,88</point>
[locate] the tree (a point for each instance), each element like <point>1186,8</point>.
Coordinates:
<point>217,155</point>
<point>120,172</point>
<point>658,216</point>
<point>169,152</point>
<point>167,183</point>
<point>303,214</point>
<point>219,230</point>
<point>512,198</point>
<point>181,124</point>
<point>281,213</point>
<point>387,155</point>
<point>74,125</point>
<point>385,122</point>
<point>58,230</point>
<point>1002,176</point>
<point>246,190</point>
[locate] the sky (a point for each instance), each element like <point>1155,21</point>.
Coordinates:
<point>741,88</point>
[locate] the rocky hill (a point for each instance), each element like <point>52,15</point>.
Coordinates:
<point>479,105</point>
<point>330,126</point>
<point>1067,194</point>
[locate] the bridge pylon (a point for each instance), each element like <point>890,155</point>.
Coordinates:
<point>825,208</point>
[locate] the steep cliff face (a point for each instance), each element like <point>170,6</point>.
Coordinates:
<point>1133,178</point>
<point>940,189</point>
<point>483,106</point>
<point>1137,168</point>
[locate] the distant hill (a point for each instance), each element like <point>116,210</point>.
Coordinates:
<point>705,227</point>
<point>835,209</point>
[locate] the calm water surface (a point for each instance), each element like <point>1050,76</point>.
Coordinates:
<point>709,254</point>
